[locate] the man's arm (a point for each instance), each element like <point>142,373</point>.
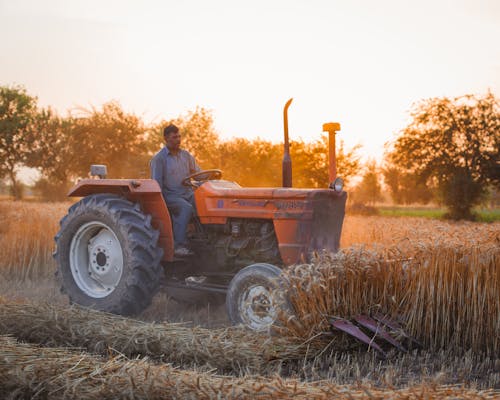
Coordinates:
<point>156,167</point>
<point>193,165</point>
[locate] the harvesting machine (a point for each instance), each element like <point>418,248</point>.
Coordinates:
<point>115,246</point>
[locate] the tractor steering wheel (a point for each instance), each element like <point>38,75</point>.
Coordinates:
<point>195,180</point>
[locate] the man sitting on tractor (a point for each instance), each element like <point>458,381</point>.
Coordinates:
<point>169,167</point>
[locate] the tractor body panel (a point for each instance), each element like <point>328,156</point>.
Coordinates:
<point>304,219</point>
<point>147,192</point>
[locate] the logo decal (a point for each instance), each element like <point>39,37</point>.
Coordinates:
<point>252,203</point>
<point>290,205</point>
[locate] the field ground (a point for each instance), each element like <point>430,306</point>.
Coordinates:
<point>483,214</point>
<point>442,314</point>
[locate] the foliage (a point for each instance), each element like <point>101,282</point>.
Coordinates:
<point>113,137</point>
<point>406,188</point>
<point>53,154</point>
<point>368,191</point>
<point>17,113</point>
<point>198,136</point>
<point>240,159</point>
<point>454,144</point>
<point>63,148</point>
<point>250,163</point>
<point>310,162</point>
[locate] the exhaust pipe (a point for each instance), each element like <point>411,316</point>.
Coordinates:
<point>331,128</point>
<point>287,161</point>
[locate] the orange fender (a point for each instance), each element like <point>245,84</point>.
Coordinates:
<point>146,192</point>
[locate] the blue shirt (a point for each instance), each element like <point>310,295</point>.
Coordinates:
<point>169,170</point>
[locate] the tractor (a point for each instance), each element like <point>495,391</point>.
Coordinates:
<point>115,246</point>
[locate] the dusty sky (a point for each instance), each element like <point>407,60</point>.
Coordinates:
<point>361,63</point>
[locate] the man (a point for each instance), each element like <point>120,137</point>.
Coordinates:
<point>169,167</point>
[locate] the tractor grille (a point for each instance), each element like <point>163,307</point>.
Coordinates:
<point>328,217</point>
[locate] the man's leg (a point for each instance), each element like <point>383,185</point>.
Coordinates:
<point>181,211</point>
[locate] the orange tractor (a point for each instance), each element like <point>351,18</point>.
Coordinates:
<point>115,246</point>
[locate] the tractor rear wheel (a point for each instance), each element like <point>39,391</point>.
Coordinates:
<point>107,255</point>
<point>254,297</point>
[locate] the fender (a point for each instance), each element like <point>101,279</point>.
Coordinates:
<point>146,192</point>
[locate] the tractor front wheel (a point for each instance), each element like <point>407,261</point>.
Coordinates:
<point>107,255</point>
<point>254,297</point>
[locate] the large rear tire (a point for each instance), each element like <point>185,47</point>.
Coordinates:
<point>254,297</point>
<point>107,255</point>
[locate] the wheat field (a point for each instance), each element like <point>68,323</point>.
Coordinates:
<point>441,279</point>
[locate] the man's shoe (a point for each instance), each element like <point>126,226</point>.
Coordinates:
<point>182,252</point>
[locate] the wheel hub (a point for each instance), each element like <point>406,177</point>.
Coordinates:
<point>96,259</point>
<point>258,308</point>
<point>102,253</point>
<point>101,258</point>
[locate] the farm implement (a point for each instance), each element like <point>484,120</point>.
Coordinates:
<point>368,329</point>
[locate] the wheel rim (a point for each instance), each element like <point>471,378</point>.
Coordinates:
<point>96,259</point>
<point>257,307</point>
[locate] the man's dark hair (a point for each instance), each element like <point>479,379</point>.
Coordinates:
<point>170,129</point>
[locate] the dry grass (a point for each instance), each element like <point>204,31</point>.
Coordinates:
<point>237,352</point>
<point>408,233</point>
<point>442,278</point>
<point>400,370</point>
<point>227,349</point>
<point>27,230</point>
<point>27,238</point>
<point>27,371</point>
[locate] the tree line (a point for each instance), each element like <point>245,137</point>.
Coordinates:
<point>449,151</point>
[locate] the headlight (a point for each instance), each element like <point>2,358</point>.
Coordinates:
<point>98,170</point>
<point>337,184</point>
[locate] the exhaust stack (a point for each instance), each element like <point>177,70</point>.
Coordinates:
<point>331,128</point>
<point>287,161</point>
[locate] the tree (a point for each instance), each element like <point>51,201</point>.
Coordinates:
<point>310,162</point>
<point>250,162</point>
<point>258,162</point>
<point>53,154</point>
<point>198,136</point>
<point>64,148</point>
<point>406,188</point>
<point>17,113</point>
<point>368,191</point>
<point>110,136</point>
<point>453,144</point>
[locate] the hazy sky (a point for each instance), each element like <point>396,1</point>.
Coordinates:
<point>361,63</point>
